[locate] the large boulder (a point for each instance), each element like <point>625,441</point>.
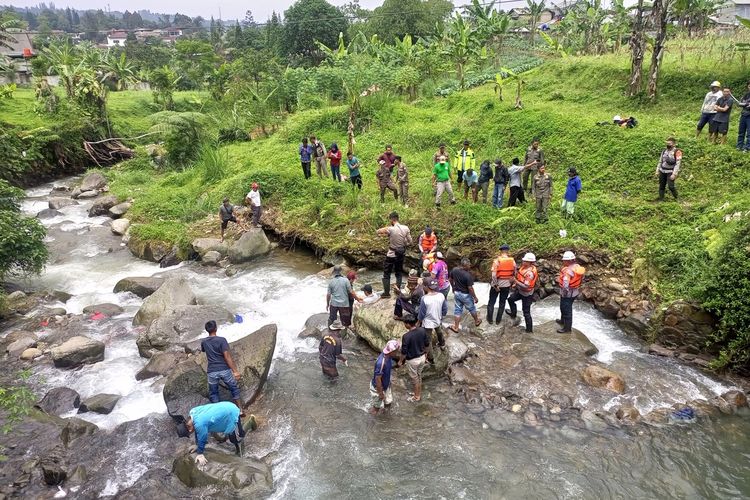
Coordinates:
<point>48,213</point>
<point>93,181</point>
<point>204,245</point>
<point>686,325</point>
<point>120,209</point>
<point>183,323</point>
<point>160,364</point>
<point>77,351</point>
<point>375,325</point>
<point>187,385</point>
<point>59,400</point>
<point>58,203</point>
<point>237,477</point>
<point>30,354</point>
<point>105,309</point>
<point>150,250</point>
<point>251,244</point>
<point>140,286</point>
<point>100,403</point>
<point>102,205</point>
<point>315,326</point>
<point>120,226</point>
<point>211,258</point>
<point>597,376</point>
<point>15,348</point>
<point>173,293</point>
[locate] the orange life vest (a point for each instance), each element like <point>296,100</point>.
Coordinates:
<point>527,278</point>
<point>575,274</point>
<point>504,267</point>
<point>428,262</point>
<point>428,242</point>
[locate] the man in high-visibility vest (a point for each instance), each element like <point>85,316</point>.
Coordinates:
<point>523,284</point>
<point>570,279</point>
<point>503,270</point>
<point>464,161</point>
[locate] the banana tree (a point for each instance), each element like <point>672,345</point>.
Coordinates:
<point>461,45</point>
<point>535,11</point>
<point>119,71</point>
<point>507,75</point>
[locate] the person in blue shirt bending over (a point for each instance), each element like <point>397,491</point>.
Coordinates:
<point>221,417</point>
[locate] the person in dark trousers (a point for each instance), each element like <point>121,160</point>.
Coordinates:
<point>337,298</point>
<point>743,137</point>
<point>380,385</point>
<point>719,126</point>
<point>402,176</point>
<point>253,198</point>
<point>399,238</point>
<point>415,349</point>
<point>533,159</point>
<point>464,296</point>
<point>385,181</point>
<point>503,271</point>
<point>221,367</point>
<point>516,189</point>
<point>407,302</point>
<point>352,163</point>
<point>226,214</point>
<point>334,156</point>
<point>221,417</point>
<point>523,290</point>
<point>305,157</point>
<point>432,310</point>
<point>330,349</point>
<point>542,191</point>
<point>569,280</point>
<point>500,180</point>
<point>485,176</point>
<point>708,109</point>
<point>668,168</point>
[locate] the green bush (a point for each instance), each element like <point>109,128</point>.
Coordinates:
<point>22,249</point>
<point>184,135</point>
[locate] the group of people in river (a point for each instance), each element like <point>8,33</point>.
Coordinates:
<point>423,304</point>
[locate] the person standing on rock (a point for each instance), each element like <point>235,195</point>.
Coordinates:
<point>464,296</point>
<point>399,237</point>
<point>337,299</point>
<point>503,271</point>
<point>330,349</point>
<point>221,417</point>
<point>524,283</point>
<point>427,242</point>
<point>380,386</point>
<point>221,367</point>
<point>305,157</point>
<point>542,193</point>
<point>319,155</point>
<point>432,310</point>
<point>385,181</point>
<point>226,214</point>
<point>533,159</point>
<point>441,181</point>
<point>253,197</point>
<point>415,349</point>
<point>668,168</point>
<point>570,279</point>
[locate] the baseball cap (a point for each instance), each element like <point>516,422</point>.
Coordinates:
<point>442,158</point>
<point>568,255</point>
<point>504,246</point>
<point>432,284</point>
<point>351,275</point>
<point>392,345</point>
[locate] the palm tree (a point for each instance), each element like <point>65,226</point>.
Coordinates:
<point>535,11</point>
<point>62,62</point>
<point>621,20</point>
<point>460,45</point>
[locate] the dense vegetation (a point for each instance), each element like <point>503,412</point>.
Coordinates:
<point>251,105</point>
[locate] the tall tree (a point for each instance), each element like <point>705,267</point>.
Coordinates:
<point>637,51</point>
<point>535,11</point>
<point>310,21</point>
<point>461,45</point>
<point>397,18</point>
<point>661,17</point>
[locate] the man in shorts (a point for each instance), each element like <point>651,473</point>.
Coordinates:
<point>719,125</point>
<point>380,385</point>
<point>463,294</point>
<point>337,298</point>
<point>415,348</point>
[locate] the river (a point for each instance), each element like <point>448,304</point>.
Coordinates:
<point>318,435</point>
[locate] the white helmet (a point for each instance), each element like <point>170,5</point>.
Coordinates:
<point>616,118</point>
<point>568,255</point>
<point>529,257</point>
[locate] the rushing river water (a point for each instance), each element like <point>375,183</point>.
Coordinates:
<point>319,436</point>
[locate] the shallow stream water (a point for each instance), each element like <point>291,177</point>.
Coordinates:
<point>319,436</point>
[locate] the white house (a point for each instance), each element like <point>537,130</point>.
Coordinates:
<point>116,38</point>
<point>731,9</point>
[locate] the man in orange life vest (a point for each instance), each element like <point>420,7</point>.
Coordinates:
<point>524,283</point>
<point>427,242</point>
<point>503,270</point>
<point>570,279</point>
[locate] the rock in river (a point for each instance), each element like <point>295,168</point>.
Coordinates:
<point>596,376</point>
<point>58,203</point>
<point>187,385</point>
<point>102,205</point>
<point>140,286</point>
<point>92,181</point>
<point>100,403</point>
<point>251,244</point>
<point>59,400</point>
<point>374,323</point>
<point>205,245</point>
<point>120,226</point>
<point>105,309</point>
<point>174,292</point>
<point>161,363</point>
<point>119,210</point>
<point>48,213</point>
<point>77,351</point>
<point>242,477</point>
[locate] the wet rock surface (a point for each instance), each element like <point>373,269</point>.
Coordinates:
<point>59,400</point>
<point>173,293</point>
<point>238,477</point>
<point>77,351</point>
<point>160,364</point>
<point>140,286</point>
<point>251,244</point>
<point>100,403</point>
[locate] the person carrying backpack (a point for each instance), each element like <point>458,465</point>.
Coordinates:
<point>501,179</point>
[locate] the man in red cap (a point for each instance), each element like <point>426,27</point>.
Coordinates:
<point>253,198</point>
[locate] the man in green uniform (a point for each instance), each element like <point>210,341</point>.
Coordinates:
<point>541,190</point>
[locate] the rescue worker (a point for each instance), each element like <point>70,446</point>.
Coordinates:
<point>523,284</point>
<point>570,279</point>
<point>541,190</point>
<point>427,242</point>
<point>385,181</point>
<point>668,168</point>
<point>399,237</point>
<point>464,161</point>
<point>534,158</point>
<point>503,270</point>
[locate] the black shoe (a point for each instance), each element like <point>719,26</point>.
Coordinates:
<point>559,321</point>
<point>562,330</point>
<point>507,311</point>
<point>529,331</point>
<point>489,321</point>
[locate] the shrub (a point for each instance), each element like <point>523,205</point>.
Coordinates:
<point>22,248</point>
<point>184,135</point>
<point>16,401</point>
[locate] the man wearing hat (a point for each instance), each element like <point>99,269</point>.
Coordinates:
<point>523,284</point>
<point>385,181</point>
<point>503,271</point>
<point>337,298</point>
<point>572,191</point>
<point>441,180</point>
<point>408,302</point>
<point>708,110</point>
<point>464,161</point>
<point>380,385</point>
<point>570,279</point>
<point>253,198</point>
<point>221,417</point>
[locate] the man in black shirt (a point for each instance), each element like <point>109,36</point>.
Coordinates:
<point>331,349</point>
<point>415,345</point>
<point>719,125</point>
<point>220,366</point>
<point>463,294</point>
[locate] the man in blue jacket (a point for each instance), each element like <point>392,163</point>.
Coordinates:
<point>221,417</point>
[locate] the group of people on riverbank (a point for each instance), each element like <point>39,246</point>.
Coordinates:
<point>716,111</point>
<point>423,304</point>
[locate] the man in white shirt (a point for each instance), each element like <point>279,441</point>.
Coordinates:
<point>432,310</point>
<point>708,110</point>
<point>253,197</point>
